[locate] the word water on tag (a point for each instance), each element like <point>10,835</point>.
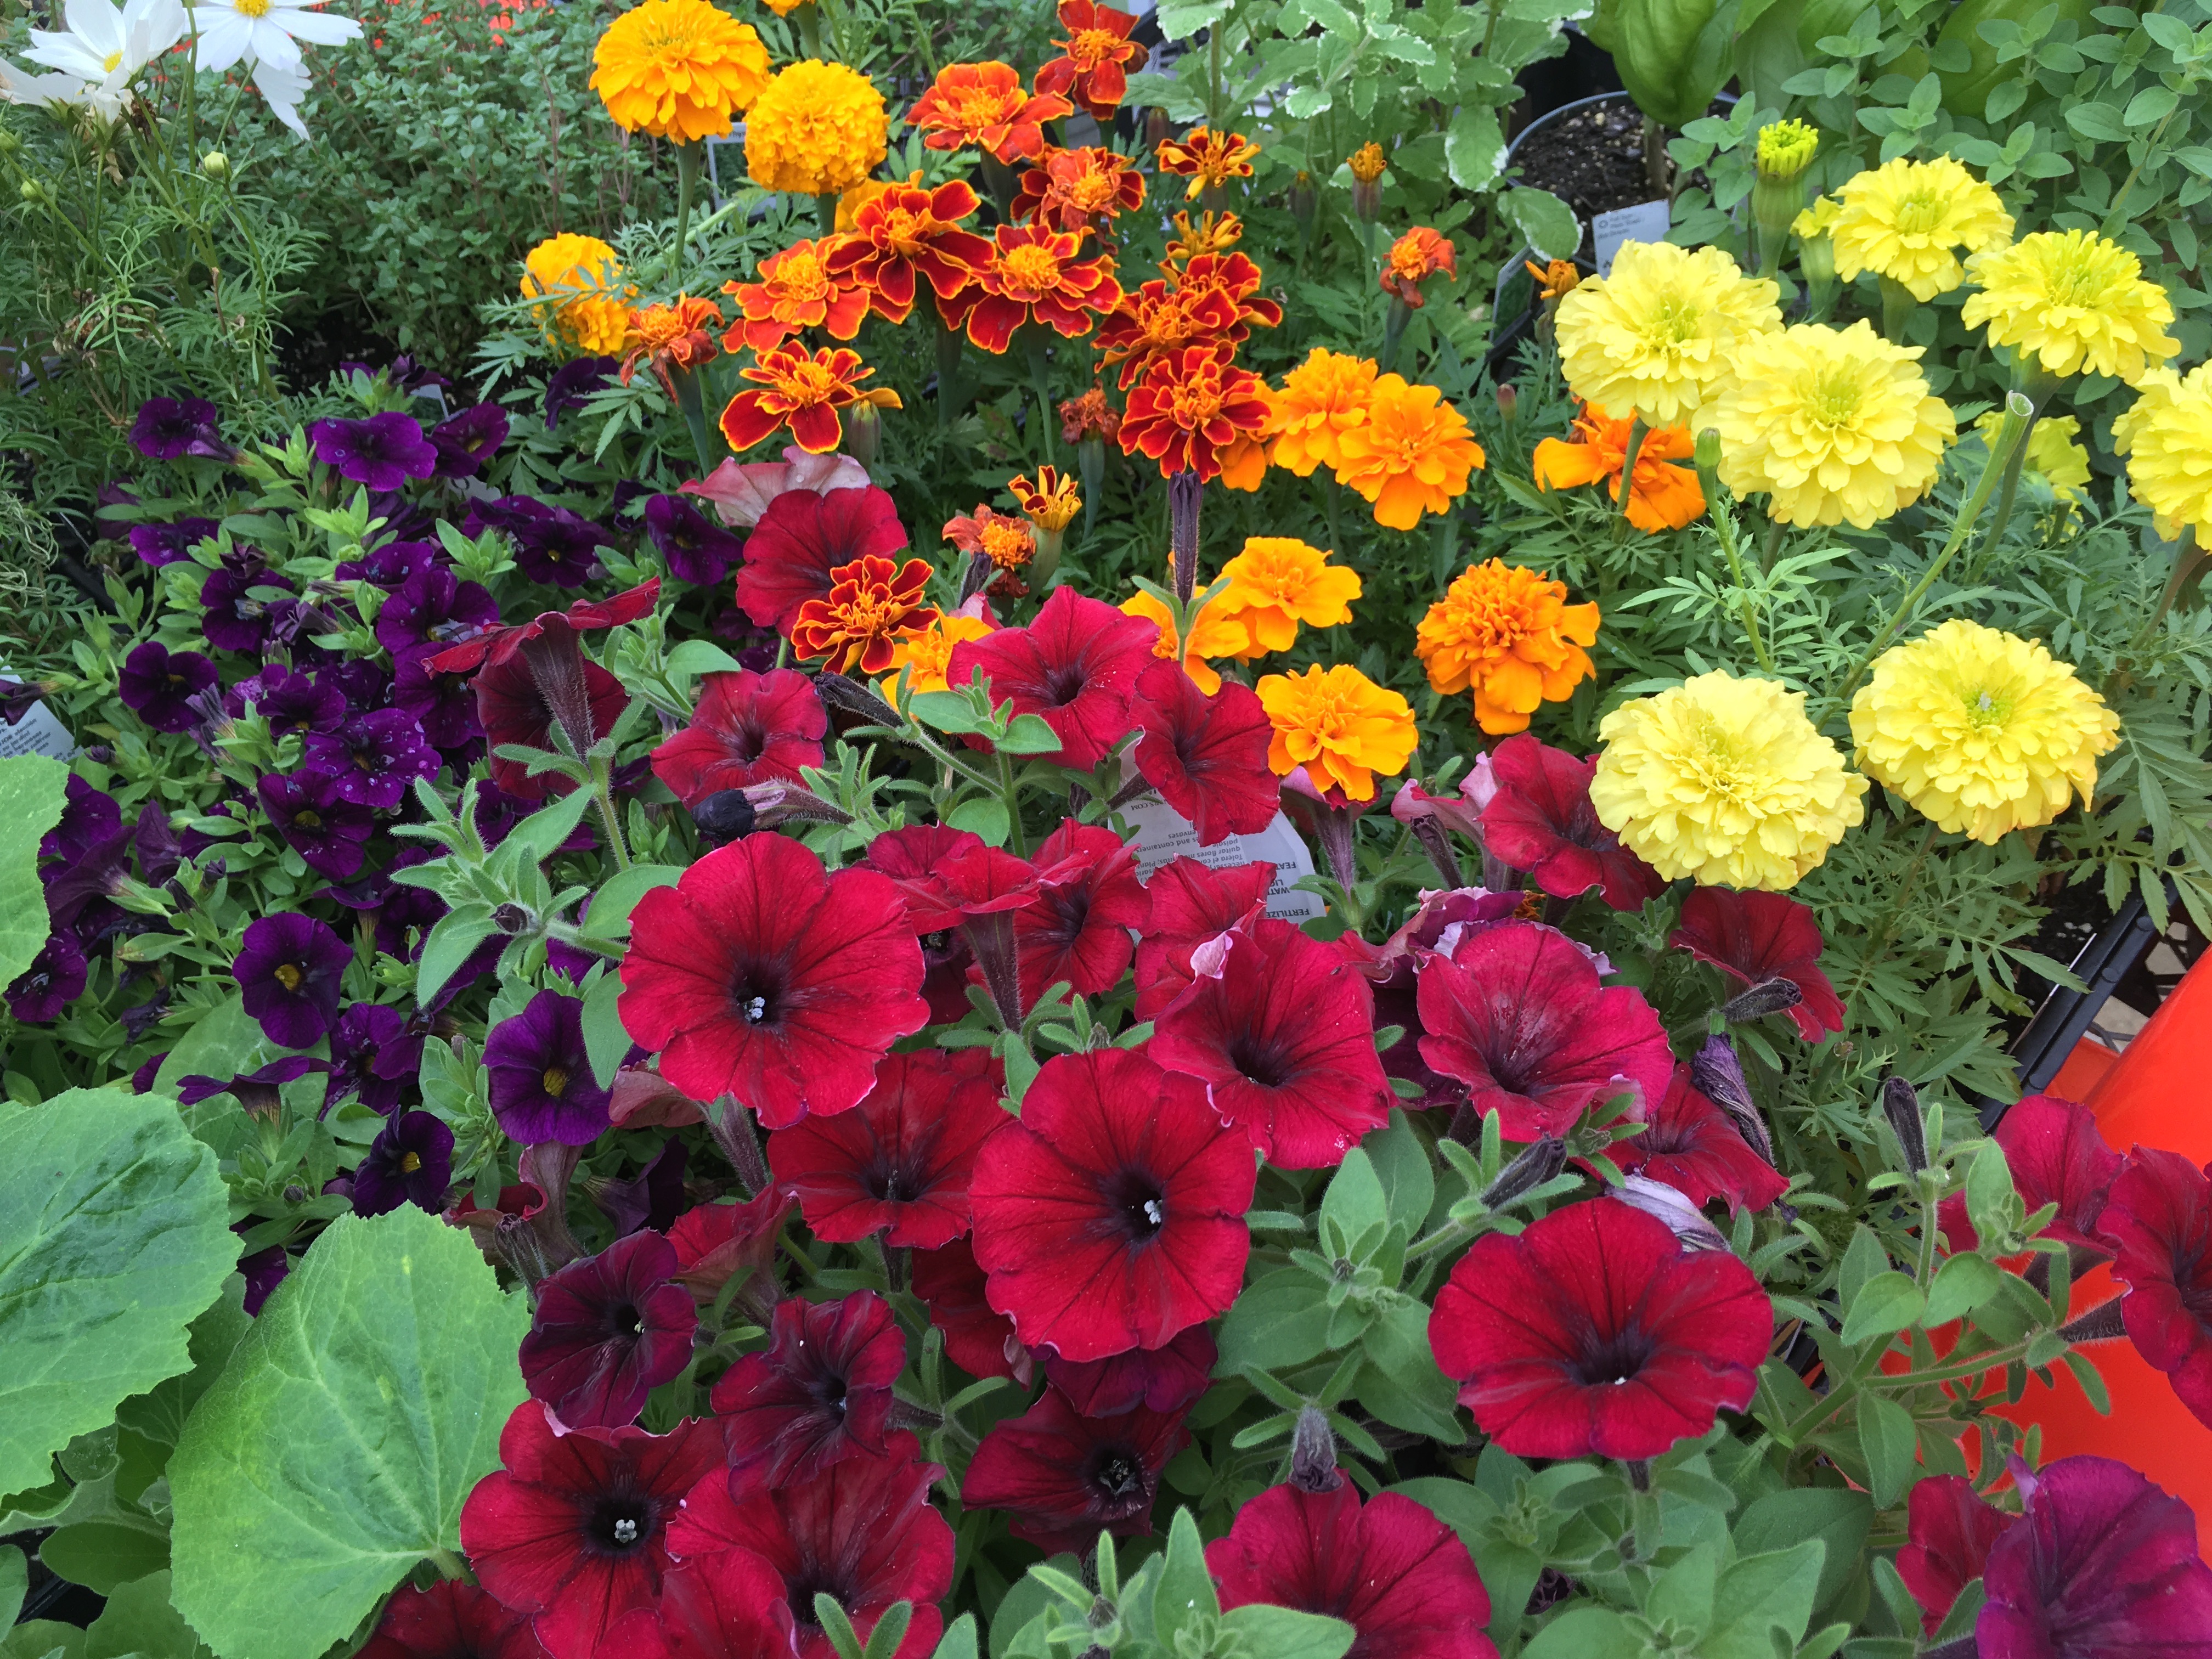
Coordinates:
<point>1160,834</point>
<point>1646,221</point>
<point>40,732</point>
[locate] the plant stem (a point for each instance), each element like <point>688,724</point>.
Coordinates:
<point>447,1564</point>
<point>1007,794</point>
<point>1637,428</point>
<point>691,401</point>
<point>604,790</point>
<point>687,181</point>
<point>810,30</point>
<point>1041,383</point>
<point>1724,526</point>
<point>825,214</point>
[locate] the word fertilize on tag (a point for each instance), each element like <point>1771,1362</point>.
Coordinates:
<point>1160,834</point>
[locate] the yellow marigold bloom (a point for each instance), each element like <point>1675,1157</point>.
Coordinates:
<point>785,8</point>
<point>817,130</point>
<point>1659,337</point>
<point>1277,582</point>
<point>1207,158</point>
<point>1052,501</point>
<point>1368,162</point>
<point>677,69</point>
<point>2051,451</point>
<point>2166,436</point>
<point>587,302</point>
<point>929,652</point>
<point>1339,725</point>
<point>1215,634</point>
<point>1411,455</point>
<point>2076,302</point>
<point>1816,219</point>
<point>1510,634</point>
<point>1786,148</point>
<point>1725,780</point>
<point>1907,220</point>
<point>1321,399</point>
<point>1831,425</point>
<point>1982,730</point>
<point>1214,233</point>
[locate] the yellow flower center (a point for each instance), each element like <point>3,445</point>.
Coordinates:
<point>1091,47</point>
<point>289,976</point>
<point>409,1162</point>
<point>309,820</point>
<point>1921,213</point>
<point>977,108</point>
<point>1090,191</point>
<point>1836,397</point>
<point>107,64</point>
<point>931,655</point>
<point>555,1079</point>
<point>1717,767</point>
<point>800,276</point>
<point>1008,546</point>
<point>1674,320</point>
<point>1988,708</point>
<point>250,7</point>
<point>809,384</point>
<point>1032,268</point>
<point>1195,403</point>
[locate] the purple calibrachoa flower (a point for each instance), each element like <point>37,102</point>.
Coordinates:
<point>288,700</point>
<point>156,684</point>
<point>373,1056</point>
<point>608,1331</point>
<point>167,427</point>
<point>234,619</point>
<point>289,974</point>
<point>552,545</point>
<point>158,544</point>
<point>89,876</point>
<point>696,551</point>
<point>382,452</point>
<point>54,979</point>
<point>412,1162</point>
<point>89,817</point>
<point>364,685</point>
<point>574,383</point>
<point>466,442</point>
<point>443,704</point>
<point>330,832</point>
<point>258,1090</point>
<point>374,756</point>
<point>390,566</point>
<point>265,1271</point>
<point>432,610</point>
<point>542,1085</point>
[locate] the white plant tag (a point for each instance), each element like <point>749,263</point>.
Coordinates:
<point>1646,221</point>
<point>1160,834</point>
<point>40,732</point>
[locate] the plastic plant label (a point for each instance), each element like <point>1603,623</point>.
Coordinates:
<point>40,732</point>
<point>1160,834</point>
<point>1645,222</point>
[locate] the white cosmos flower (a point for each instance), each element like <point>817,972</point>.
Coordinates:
<point>283,86</point>
<point>105,44</point>
<point>268,31</point>
<point>107,97</point>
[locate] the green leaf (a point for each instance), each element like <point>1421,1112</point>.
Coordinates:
<point>452,942</point>
<point>1401,1164</point>
<point>1889,1301</point>
<point>114,1235</point>
<point>1759,1594</point>
<point>1962,1285</point>
<point>42,1638</point>
<point>606,1039</point>
<point>2149,107</point>
<point>1401,1383</point>
<point>695,657</point>
<point>959,1641</point>
<point>1545,223</point>
<point>140,1620</point>
<point>543,831</point>
<point>223,1043</point>
<point>15,1580</point>
<point>1029,735</point>
<point>608,916</point>
<point>107,1550</point>
<point>1280,1319</point>
<point>1888,1440</point>
<point>945,711</point>
<point>335,1452</point>
<point>2100,122</point>
<point>1474,148</point>
<point>1862,1261</point>
<point>32,795</point>
<point>1839,1517</point>
<point>1355,1200</point>
<point>159,1413</point>
<point>984,815</point>
<point>1585,1632</point>
<point>1185,1592</point>
<point>1287,1633</point>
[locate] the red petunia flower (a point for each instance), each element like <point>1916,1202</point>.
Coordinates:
<point>985,105</point>
<point>796,292</point>
<point>978,1338</point>
<point>729,1606</point>
<point>1387,1567</point>
<point>821,1393</point>
<point>1191,903</point>
<point>1756,936</point>
<point>1207,755</point>
<point>574,1530</point>
<point>513,708</point>
<point>801,538</point>
<point>904,236</point>
<point>1076,666</point>
<point>1393,968</point>
<point>1078,928</point>
<point>861,1532</point>
<point>1096,60</point>
<point>1033,276</point>
<point>450,1621</point>
<point>1540,820</point>
<point>1168,1379</point>
<point>762,976</point>
<point>951,878</point>
<point>2159,1218</point>
<point>1110,1215</point>
<point>899,1162</point>
<point>745,728</point>
<point>1594,1332</point>
<point>1948,1532</point>
<point>716,1243</point>
<point>1079,189</point>
<point>1065,1478</point>
<point>1282,1036</point>
<point>1516,1013</point>
<point>803,391</point>
<point>1689,1143</point>
<point>870,603</point>
<point>608,1330</point>
<point>504,645</point>
<point>1188,407</point>
<point>2057,1156</point>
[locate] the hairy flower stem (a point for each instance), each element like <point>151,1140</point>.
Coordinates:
<point>1726,529</point>
<point>610,818</point>
<point>687,182</point>
<point>2102,1323</point>
<point>1636,429</point>
<point>732,1129</point>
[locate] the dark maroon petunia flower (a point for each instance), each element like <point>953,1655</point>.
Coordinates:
<point>861,1532</point>
<point>1110,1215</point>
<point>56,978</point>
<point>901,1160</point>
<point>1516,1013</point>
<point>574,1530</point>
<point>1191,903</point>
<point>1064,1478</point>
<point>373,759</point>
<point>697,552</point>
<point>443,704</point>
<point>89,817</point>
<point>1689,1143</point>
<point>978,1338</point>
<point>653,1197</point>
<point>746,728</point>
<point>1078,928</point>
<point>468,440</point>
<point>374,1056</point>
<point>762,976</point>
<point>1393,968</point>
<point>1948,1533</point>
<point>1594,1332</point>
<point>330,832</point>
<point>716,1243</point>
<point>1076,666</point>
<point>608,1331</point>
<point>1207,756</point>
<point>1540,820</point>
<point>801,538</point>
<point>409,1162</point>
<point>2057,1156</point>
<point>1283,1034</point>
<point>158,544</point>
<point>552,545</point>
<point>1756,936</point>
<point>1168,1379</point>
<point>542,1084</point>
<point>2159,1218</point>
<point>289,971</point>
<point>821,1393</point>
<point>513,709</point>
<point>239,605</point>
<point>289,701</point>
<point>389,567</point>
<point>574,383</point>
<point>1388,1568</point>
<point>450,1621</point>
<point>951,879</point>
<point>431,610</point>
<point>167,427</point>
<point>156,684</point>
<point>551,629</point>
<point>728,1605</point>
<point>2101,1565</point>
<point>383,452</point>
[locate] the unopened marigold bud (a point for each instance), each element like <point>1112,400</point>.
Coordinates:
<point>864,433</point>
<point>1709,450</point>
<point>1509,402</point>
<point>1368,165</point>
<point>1786,148</point>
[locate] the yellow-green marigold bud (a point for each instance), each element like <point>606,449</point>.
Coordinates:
<point>1786,148</point>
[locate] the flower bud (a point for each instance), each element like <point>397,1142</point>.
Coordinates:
<point>1663,1203</point>
<point>511,919</point>
<point>10,143</point>
<point>1786,148</point>
<point>1709,450</point>
<point>864,433</point>
<point>724,817</point>
<point>1536,1165</point>
<point>1769,996</point>
<point>1313,1453</point>
<point>1717,1074</point>
<point>1368,165</point>
<point>1304,199</point>
<point>1509,403</point>
<point>30,191</point>
<point>1901,1104</point>
<point>215,164</point>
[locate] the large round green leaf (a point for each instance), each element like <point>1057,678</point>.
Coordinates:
<point>335,1452</point>
<point>31,801</point>
<point>114,1236</point>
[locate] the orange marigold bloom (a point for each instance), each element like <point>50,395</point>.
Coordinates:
<point>1558,277</point>
<point>1079,189</point>
<point>1189,407</point>
<point>1277,582</point>
<point>1244,463</point>
<point>1368,162</point>
<point>1211,303</point>
<point>1509,634</point>
<point>1215,233</point>
<point>985,105</point>
<point>871,600</point>
<point>1088,416</point>
<point>1052,501</point>
<point>803,392</point>
<point>669,337</point>
<point>1417,255</point>
<point>796,291</point>
<point>1322,399</point>
<point>1664,496</point>
<point>1339,725</point>
<point>1411,455</point>
<point>1213,634</point>
<point>1096,60</point>
<point>1009,543</point>
<point>1033,276</point>
<point>902,232</point>
<point>1207,158</point>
